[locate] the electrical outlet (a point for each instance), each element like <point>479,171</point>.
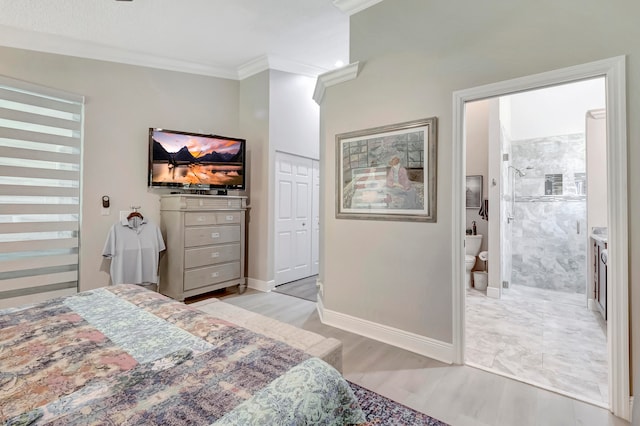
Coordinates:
<point>505,284</point>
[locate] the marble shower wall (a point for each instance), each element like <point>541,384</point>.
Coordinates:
<point>549,247</point>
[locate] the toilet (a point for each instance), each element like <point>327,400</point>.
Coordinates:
<point>472,245</point>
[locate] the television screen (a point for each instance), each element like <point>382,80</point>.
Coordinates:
<point>195,161</point>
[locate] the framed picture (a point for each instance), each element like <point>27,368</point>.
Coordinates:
<point>474,192</point>
<point>388,173</point>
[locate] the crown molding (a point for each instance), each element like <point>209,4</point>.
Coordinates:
<point>253,67</point>
<point>272,62</point>
<point>331,78</point>
<point>354,6</point>
<point>597,114</point>
<point>48,43</point>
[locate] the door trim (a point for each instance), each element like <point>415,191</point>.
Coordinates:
<point>613,69</point>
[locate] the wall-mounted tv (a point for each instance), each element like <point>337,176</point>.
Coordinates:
<point>195,161</point>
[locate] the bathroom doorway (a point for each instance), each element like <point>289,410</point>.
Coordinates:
<point>524,172</point>
<point>544,330</point>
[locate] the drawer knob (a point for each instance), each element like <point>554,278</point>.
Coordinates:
<point>200,218</point>
<point>215,235</point>
<point>229,217</point>
<point>216,254</point>
<point>214,275</point>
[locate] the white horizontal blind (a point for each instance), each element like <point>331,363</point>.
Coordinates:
<point>40,159</point>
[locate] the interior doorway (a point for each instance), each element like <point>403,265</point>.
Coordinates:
<point>617,273</point>
<point>538,322</point>
<point>297,218</point>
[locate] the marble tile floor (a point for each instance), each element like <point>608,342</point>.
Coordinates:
<point>543,337</point>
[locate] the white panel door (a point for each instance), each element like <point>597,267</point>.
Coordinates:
<point>293,227</point>
<point>315,230</point>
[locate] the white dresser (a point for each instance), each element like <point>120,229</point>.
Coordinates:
<point>205,239</point>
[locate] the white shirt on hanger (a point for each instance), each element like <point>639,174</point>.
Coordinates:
<point>134,246</point>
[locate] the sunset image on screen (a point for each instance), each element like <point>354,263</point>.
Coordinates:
<point>196,160</point>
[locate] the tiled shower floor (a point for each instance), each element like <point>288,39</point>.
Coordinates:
<point>543,337</point>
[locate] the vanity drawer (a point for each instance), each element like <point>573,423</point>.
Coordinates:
<point>211,255</point>
<point>211,218</point>
<point>201,277</point>
<point>207,235</point>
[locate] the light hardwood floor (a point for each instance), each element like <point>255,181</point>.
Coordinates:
<point>458,395</point>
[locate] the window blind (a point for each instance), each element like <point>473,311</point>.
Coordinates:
<point>40,160</point>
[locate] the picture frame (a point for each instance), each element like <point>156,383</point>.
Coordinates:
<point>474,192</point>
<point>388,172</point>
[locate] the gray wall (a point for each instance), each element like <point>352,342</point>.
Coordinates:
<point>121,103</point>
<point>254,120</point>
<point>415,54</point>
<point>277,111</point>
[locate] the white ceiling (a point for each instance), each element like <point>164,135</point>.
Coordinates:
<point>223,38</point>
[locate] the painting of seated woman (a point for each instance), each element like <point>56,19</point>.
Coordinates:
<point>384,173</point>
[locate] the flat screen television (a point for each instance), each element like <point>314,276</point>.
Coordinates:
<point>195,161</point>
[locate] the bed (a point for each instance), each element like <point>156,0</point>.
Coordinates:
<point>126,355</point>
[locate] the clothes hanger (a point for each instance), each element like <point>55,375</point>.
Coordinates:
<point>135,213</point>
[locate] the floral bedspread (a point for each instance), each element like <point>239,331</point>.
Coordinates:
<point>125,355</point>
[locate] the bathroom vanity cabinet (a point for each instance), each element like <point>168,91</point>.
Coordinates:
<point>599,264</point>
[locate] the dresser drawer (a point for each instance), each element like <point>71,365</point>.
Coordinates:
<point>211,255</point>
<point>201,277</point>
<point>207,235</point>
<point>211,218</point>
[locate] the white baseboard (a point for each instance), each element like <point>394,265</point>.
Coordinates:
<point>422,345</point>
<point>493,292</point>
<point>264,286</point>
<point>320,308</point>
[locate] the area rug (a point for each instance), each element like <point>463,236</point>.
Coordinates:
<point>382,411</point>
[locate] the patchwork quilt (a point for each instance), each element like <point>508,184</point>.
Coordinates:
<point>123,355</point>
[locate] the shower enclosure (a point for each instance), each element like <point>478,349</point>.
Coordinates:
<point>546,180</point>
